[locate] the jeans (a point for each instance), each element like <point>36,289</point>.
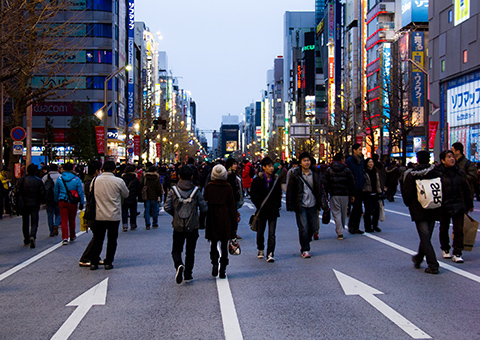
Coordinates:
<point>356,213</point>
<point>372,210</point>
<point>151,208</point>
<point>425,249</point>
<point>29,213</point>
<point>338,207</point>
<point>68,213</point>
<point>179,239</point>
<point>272,226</point>
<point>99,230</point>
<point>132,207</point>
<point>457,221</point>
<point>307,223</point>
<point>53,211</point>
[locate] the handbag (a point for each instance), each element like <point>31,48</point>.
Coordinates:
<point>234,247</point>
<point>326,216</point>
<point>254,218</point>
<point>470,227</point>
<point>73,196</point>
<point>381,212</point>
<point>91,206</point>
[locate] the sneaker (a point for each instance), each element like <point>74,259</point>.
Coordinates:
<point>188,278</point>
<point>446,254</point>
<point>72,239</point>
<point>306,255</point>
<point>430,270</point>
<point>84,264</point>
<point>239,237</point>
<point>179,275</point>
<point>270,258</point>
<point>155,226</point>
<point>65,242</point>
<point>340,237</point>
<point>260,254</point>
<point>55,230</point>
<point>133,227</point>
<point>457,259</point>
<point>32,243</point>
<point>125,229</point>
<point>147,227</point>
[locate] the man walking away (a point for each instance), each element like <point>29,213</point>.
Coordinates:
<point>306,196</point>
<point>151,180</point>
<point>465,165</point>
<point>53,212</point>
<point>355,164</point>
<point>32,190</point>
<point>130,203</point>
<point>108,192</point>
<point>183,202</point>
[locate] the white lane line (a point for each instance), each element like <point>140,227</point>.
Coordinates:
<point>231,327</point>
<point>397,212</point>
<point>249,205</point>
<point>460,272</point>
<point>33,259</point>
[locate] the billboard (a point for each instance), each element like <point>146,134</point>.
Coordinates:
<point>414,11</point>
<point>131,58</point>
<point>418,77</point>
<point>386,74</point>
<point>350,11</point>
<point>463,100</point>
<point>462,11</point>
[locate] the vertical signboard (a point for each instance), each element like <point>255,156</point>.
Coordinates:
<point>414,11</point>
<point>418,78</point>
<point>461,10</point>
<point>136,145</point>
<point>386,73</point>
<point>131,59</point>
<point>99,133</point>
<point>159,150</point>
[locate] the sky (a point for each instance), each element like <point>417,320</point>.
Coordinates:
<point>220,49</point>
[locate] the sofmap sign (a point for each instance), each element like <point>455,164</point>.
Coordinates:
<point>463,100</point>
<point>418,91</point>
<point>387,66</point>
<point>131,59</point>
<point>414,11</point>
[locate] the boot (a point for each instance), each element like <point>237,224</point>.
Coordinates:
<point>223,273</point>
<point>215,270</point>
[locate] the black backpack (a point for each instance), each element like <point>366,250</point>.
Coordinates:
<point>49,188</point>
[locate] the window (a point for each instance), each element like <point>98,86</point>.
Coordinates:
<point>450,15</point>
<point>465,56</point>
<point>100,30</point>
<point>99,56</point>
<point>443,65</point>
<point>99,5</point>
<point>430,62</point>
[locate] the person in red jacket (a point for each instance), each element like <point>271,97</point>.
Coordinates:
<point>246,178</point>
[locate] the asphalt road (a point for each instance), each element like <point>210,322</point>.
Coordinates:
<point>292,298</point>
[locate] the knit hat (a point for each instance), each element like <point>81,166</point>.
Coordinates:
<point>423,157</point>
<point>219,172</point>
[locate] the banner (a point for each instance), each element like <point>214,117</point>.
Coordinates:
<point>433,126</point>
<point>136,145</point>
<point>159,150</point>
<point>99,134</point>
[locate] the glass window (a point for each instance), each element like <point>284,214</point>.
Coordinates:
<point>99,5</point>
<point>99,30</point>
<point>465,56</point>
<point>443,65</point>
<point>450,16</point>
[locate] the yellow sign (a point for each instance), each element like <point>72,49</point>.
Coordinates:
<point>462,11</point>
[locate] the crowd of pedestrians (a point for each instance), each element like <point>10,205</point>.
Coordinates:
<point>209,196</point>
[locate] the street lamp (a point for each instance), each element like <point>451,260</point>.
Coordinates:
<point>104,109</point>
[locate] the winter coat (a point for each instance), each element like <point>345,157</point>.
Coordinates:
<point>185,189</point>
<point>108,192</point>
<point>246,179</point>
<point>221,223</point>
<point>232,180</point>
<point>471,172</point>
<point>456,197</point>
<point>339,180</point>
<point>133,186</point>
<point>296,187</point>
<point>32,190</point>
<point>393,174</point>
<point>358,171</point>
<point>367,186</point>
<point>409,193</point>
<point>154,187</point>
<point>259,191</point>
<point>72,182</point>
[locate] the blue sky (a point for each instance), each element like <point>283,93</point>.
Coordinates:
<point>222,49</point>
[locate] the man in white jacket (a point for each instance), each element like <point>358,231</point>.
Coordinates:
<point>108,191</point>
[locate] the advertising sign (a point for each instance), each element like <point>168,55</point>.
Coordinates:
<point>136,145</point>
<point>18,148</point>
<point>130,58</point>
<point>18,170</point>
<point>418,90</point>
<point>414,11</point>
<point>462,11</point>
<point>331,22</point>
<point>433,126</point>
<point>231,145</point>
<point>99,133</point>
<point>463,100</point>
<point>159,149</point>
<point>387,67</point>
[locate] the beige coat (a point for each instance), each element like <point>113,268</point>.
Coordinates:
<point>108,192</point>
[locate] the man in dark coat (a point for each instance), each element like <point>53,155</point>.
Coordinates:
<point>465,165</point>
<point>222,222</point>
<point>33,193</point>
<point>264,183</point>
<point>424,218</point>
<point>130,203</point>
<point>151,180</point>
<point>355,164</point>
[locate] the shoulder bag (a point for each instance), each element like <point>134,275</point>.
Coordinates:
<point>254,218</point>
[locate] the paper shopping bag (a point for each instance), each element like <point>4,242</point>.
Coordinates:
<point>470,228</point>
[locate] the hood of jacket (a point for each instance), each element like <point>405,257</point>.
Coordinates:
<point>338,166</point>
<point>262,175</point>
<point>422,170</point>
<point>185,185</point>
<point>151,175</point>
<point>68,176</point>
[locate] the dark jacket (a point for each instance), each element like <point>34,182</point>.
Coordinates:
<point>456,197</point>
<point>221,221</point>
<point>296,187</point>
<point>133,186</point>
<point>409,194</point>
<point>259,191</point>
<point>339,180</point>
<point>374,186</point>
<point>152,181</point>
<point>471,172</point>
<point>358,171</point>
<point>232,180</point>
<point>32,190</point>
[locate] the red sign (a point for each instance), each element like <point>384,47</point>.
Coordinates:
<point>18,170</point>
<point>99,134</point>
<point>283,155</point>
<point>359,140</point>
<point>322,150</point>
<point>136,145</point>
<point>18,133</point>
<point>159,150</point>
<point>433,126</point>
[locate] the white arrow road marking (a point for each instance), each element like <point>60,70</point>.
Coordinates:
<point>96,295</point>
<point>352,286</point>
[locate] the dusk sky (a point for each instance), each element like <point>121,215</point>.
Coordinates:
<point>220,49</point>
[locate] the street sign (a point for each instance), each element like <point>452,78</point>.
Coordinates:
<point>18,133</point>
<point>130,142</point>
<point>18,148</point>
<point>18,170</point>
<point>130,150</point>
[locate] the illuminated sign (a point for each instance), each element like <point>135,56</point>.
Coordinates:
<point>462,11</point>
<point>231,145</point>
<point>308,48</point>
<point>418,77</point>
<point>414,11</point>
<point>463,100</point>
<point>331,22</point>
<point>387,67</point>
<point>131,59</point>
<point>299,76</point>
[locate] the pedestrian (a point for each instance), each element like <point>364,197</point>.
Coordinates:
<point>236,183</point>
<point>306,196</point>
<point>53,211</point>
<point>356,165</point>
<point>32,192</point>
<point>68,193</point>
<point>6,185</point>
<point>108,193</point>
<point>94,168</point>
<point>466,165</point>
<point>222,220</point>
<point>391,184</point>
<point>456,201</point>
<point>266,195</point>
<point>129,205</point>
<point>247,176</point>
<point>340,186</point>
<point>424,218</point>
<point>183,202</point>
<point>151,180</point>
<point>295,165</point>
<point>371,194</point>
